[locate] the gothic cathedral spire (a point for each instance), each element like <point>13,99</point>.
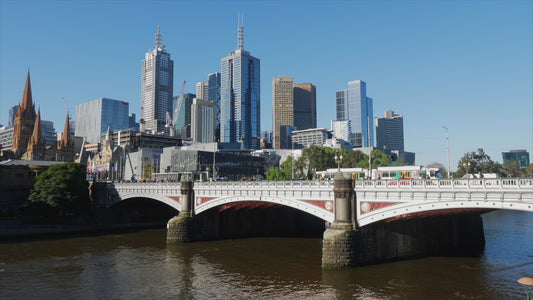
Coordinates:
<point>24,121</point>
<point>36,144</point>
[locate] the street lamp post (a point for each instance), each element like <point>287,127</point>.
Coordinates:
<point>448,148</point>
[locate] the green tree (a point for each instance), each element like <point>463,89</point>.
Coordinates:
<point>380,159</point>
<point>529,171</point>
<point>477,162</point>
<point>512,169</point>
<point>355,159</point>
<point>274,173</point>
<point>62,190</point>
<point>147,173</point>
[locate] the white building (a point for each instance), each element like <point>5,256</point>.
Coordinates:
<point>305,138</point>
<point>203,121</point>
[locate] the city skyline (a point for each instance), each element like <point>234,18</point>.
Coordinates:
<point>463,65</point>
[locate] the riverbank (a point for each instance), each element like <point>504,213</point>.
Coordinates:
<point>10,230</point>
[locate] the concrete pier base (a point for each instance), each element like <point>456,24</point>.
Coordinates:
<point>338,249</point>
<point>180,229</point>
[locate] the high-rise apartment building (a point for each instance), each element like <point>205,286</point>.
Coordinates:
<point>354,105</point>
<point>240,98</point>
<point>304,106</point>
<point>282,111</point>
<point>95,117</point>
<point>389,132</point>
<point>157,87</point>
<point>203,121</point>
<point>202,90</point>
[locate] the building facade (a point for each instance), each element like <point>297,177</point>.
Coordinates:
<point>213,81</point>
<point>6,137</point>
<point>203,121</point>
<point>304,106</point>
<point>354,105</point>
<point>308,137</point>
<point>157,87</point>
<point>282,111</point>
<point>240,98</point>
<point>182,113</point>
<point>389,132</point>
<point>95,117</point>
<point>12,113</point>
<point>49,133</point>
<point>202,90</point>
<point>342,130</point>
<point>520,156</point>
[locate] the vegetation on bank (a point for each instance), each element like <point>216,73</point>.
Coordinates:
<point>61,191</point>
<point>316,158</point>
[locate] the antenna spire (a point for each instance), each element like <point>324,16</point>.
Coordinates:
<point>241,31</point>
<point>158,40</point>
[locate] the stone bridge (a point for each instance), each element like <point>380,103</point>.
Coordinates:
<point>376,200</point>
<point>421,217</point>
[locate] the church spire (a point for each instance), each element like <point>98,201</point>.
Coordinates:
<point>66,139</point>
<point>27,101</point>
<point>24,121</point>
<point>36,144</point>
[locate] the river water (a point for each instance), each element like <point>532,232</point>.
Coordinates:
<point>139,265</point>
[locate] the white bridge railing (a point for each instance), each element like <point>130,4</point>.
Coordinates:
<point>449,184</point>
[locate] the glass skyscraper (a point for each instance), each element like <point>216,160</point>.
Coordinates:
<point>157,87</point>
<point>354,105</point>
<point>93,118</point>
<point>389,132</point>
<point>240,100</point>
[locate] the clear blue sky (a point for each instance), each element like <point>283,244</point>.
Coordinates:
<point>466,65</point>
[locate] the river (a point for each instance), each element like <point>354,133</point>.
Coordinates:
<point>139,265</point>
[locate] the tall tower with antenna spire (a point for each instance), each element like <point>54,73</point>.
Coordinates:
<point>156,87</point>
<point>240,96</point>
<point>241,32</point>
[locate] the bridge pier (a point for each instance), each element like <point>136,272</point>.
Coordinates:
<point>181,228</point>
<point>338,245</point>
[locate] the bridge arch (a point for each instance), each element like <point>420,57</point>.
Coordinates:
<point>296,204</point>
<point>408,208</point>
<point>161,198</point>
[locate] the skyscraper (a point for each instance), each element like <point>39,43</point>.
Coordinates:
<point>157,87</point>
<point>12,113</point>
<point>282,111</point>
<point>389,132</point>
<point>202,90</point>
<point>49,133</point>
<point>203,121</point>
<point>304,106</point>
<point>213,82</point>
<point>182,113</point>
<point>240,99</point>
<point>354,105</point>
<point>95,117</point>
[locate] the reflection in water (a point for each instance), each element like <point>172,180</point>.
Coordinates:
<point>141,265</point>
